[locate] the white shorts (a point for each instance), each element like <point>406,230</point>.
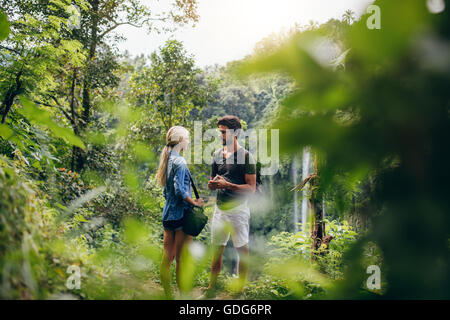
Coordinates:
<point>234,222</point>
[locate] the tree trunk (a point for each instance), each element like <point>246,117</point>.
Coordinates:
<point>86,95</point>
<point>317,224</point>
<point>93,39</point>
<point>75,124</point>
<point>12,93</point>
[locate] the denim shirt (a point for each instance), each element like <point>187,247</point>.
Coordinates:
<point>177,188</point>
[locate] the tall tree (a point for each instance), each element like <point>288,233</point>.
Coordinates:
<point>35,53</point>
<point>169,87</point>
<point>105,16</point>
<point>99,20</point>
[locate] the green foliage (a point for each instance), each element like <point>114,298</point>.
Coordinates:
<point>4,26</point>
<point>33,61</point>
<point>375,112</point>
<point>168,87</point>
<point>26,224</point>
<point>330,261</point>
<point>385,113</point>
<point>287,272</point>
<point>41,117</point>
<point>69,184</point>
<point>254,101</point>
<point>37,247</point>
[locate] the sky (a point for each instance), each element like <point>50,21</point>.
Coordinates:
<point>229,29</point>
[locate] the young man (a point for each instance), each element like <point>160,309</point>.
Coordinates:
<point>233,174</point>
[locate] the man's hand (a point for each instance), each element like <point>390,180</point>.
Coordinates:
<point>211,184</point>
<point>218,182</point>
<point>221,183</point>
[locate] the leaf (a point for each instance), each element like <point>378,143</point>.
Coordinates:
<point>5,131</point>
<point>81,218</point>
<point>43,117</point>
<point>4,26</point>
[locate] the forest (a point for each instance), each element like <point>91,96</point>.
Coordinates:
<point>358,207</point>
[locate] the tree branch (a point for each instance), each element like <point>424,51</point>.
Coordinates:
<point>10,49</point>
<point>117,24</point>
<point>304,182</point>
<point>58,105</point>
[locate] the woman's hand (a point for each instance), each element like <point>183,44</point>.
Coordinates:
<point>199,202</point>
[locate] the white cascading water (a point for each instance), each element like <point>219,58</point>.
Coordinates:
<point>305,171</point>
<point>295,182</point>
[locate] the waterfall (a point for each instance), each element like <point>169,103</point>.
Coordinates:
<point>305,171</point>
<point>295,182</point>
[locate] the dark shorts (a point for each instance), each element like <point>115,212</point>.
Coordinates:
<point>173,224</point>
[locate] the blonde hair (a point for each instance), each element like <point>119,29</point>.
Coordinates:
<point>174,136</point>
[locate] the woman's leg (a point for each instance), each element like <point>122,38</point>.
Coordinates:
<point>166,261</point>
<point>181,240</point>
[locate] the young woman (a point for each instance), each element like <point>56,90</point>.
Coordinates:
<point>173,175</point>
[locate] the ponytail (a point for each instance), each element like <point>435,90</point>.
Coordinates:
<point>161,175</point>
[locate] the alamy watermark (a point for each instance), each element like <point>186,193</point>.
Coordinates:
<point>74,280</point>
<point>256,141</point>
<point>374,20</point>
<point>374,280</point>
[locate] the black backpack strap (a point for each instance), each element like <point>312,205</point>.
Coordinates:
<point>193,186</point>
<point>258,169</point>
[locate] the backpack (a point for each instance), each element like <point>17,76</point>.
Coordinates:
<point>259,187</point>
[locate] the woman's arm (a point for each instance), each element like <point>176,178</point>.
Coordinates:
<point>180,172</point>
<point>181,191</point>
<point>197,202</point>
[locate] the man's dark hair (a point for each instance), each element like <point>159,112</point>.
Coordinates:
<point>232,122</point>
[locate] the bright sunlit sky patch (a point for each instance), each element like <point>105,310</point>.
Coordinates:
<point>229,29</point>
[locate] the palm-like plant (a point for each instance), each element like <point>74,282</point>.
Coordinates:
<point>348,17</point>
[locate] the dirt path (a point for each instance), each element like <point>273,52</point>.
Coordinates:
<point>194,294</point>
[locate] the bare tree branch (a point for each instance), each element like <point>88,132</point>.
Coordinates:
<point>10,49</point>
<point>117,24</point>
<point>299,187</point>
<point>59,106</point>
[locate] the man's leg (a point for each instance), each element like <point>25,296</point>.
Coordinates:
<point>216,266</point>
<point>241,226</point>
<point>244,258</point>
<point>220,233</point>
